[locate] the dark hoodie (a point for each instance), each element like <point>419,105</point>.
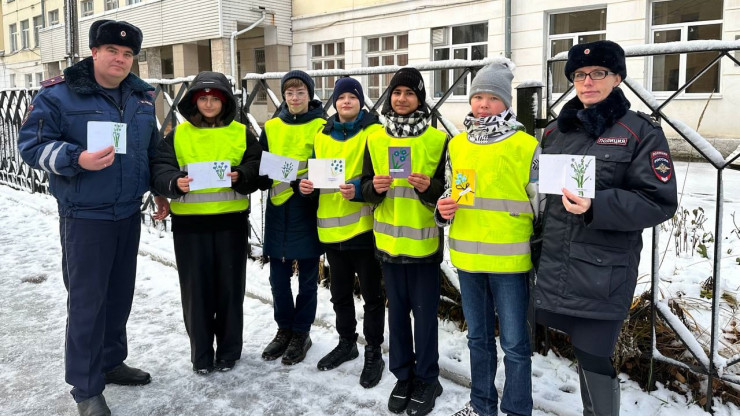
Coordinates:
<point>166,170</point>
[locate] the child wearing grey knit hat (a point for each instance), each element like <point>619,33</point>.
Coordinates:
<point>494,79</point>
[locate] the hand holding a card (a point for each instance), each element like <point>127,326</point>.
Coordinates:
<point>447,208</point>
<point>234,176</point>
<point>97,160</point>
<point>419,181</point>
<point>382,183</point>
<point>347,190</point>
<point>183,184</point>
<point>574,203</point>
<point>305,186</point>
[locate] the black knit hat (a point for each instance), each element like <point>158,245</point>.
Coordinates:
<point>349,85</point>
<point>112,32</point>
<point>407,77</point>
<point>600,53</point>
<point>304,77</point>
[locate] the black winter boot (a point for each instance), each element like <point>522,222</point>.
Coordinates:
<point>94,406</point>
<point>297,349</point>
<point>604,394</point>
<point>588,409</point>
<point>423,397</point>
<point>374,365</point>
<point>276,348</point>
<point>346,350</point>
<point>400,396</point>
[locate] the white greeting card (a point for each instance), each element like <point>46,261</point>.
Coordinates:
<point>101,134</point>
<point>279,168</point>
<point>576,173</point>
<point>326,173</point>
<point>209,174</point>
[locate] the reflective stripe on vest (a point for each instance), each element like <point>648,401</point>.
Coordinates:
<point>492,235</point>
<point>294,141</point>
<point>404,226</point>
<point>337,218</point>
<point>192,145</point>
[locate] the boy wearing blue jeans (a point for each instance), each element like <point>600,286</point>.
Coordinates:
<point>492,165</point>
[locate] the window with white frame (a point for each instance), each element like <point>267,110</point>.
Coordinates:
<point>53,17</point>
<point>568,29</point>
<point>39,78</point>
<point>11,80</point>
<point>326,56</point>
<point>260,67</point>
<point>681,21</point>
<point>87,8</point>
<point>132,2</point>
<point>38,24</point>
<point>29,80</point>
<point>469,42</point>
<point>382,51</point>
<point>13,31</point>
<point>111,4</point>
<point>25,34</point>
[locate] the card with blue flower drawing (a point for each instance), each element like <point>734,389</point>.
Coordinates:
<point>101,134</point>
<point>208,175</point>
<point>463,186</point>
<point>279,168</point>
<point>399,161</point>
<point>326,173</point>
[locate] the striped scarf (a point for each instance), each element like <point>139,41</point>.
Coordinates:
<point>489,129</point>
<point>410,125</point>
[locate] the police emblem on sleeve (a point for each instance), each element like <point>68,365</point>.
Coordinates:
<point>660,161</point>
<point>28,113</point>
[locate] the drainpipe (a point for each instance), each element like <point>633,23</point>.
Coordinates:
<point>507,29</point>
<point>233,43</point>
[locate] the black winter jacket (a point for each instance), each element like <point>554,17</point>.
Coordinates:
<point>588,264</point>
<point>290,228</point>
<point>166,169</point>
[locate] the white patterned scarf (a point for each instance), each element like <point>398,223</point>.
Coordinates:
<point>410,125</point>
<point>490,129</point>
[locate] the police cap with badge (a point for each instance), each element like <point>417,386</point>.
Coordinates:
<point>113,32</point>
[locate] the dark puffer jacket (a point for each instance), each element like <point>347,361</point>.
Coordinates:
<point>166,169</point>
<point>588,265</point>
<point>290,228</point>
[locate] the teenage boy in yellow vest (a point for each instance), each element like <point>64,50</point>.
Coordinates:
<point>408,242</point>
<point>290,221</point>
<point>492,177</point>
<point>345,224</point>
<point>209,226</point>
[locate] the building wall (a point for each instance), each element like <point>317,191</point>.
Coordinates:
<point>626,24</point>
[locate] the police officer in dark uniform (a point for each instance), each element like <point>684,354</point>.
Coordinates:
<point>99,196</point>
<point>591,247</point>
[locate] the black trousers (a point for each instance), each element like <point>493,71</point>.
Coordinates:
<point>212,268</point>
<point>344,265</point>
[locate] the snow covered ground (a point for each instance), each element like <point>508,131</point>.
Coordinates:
<point>32,321</point>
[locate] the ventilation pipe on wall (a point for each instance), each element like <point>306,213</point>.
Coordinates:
<point>507,29</point>
<point>233,41</point>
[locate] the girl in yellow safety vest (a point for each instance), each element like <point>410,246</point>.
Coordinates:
<point>209,225</point>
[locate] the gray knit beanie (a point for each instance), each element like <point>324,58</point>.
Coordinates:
<point>494,79</point>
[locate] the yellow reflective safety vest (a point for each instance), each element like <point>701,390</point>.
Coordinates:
<point>294,141</point>
<point>193,144</point>
<point>339,219</point>
<point>492,236</point>
<point>403,224</point>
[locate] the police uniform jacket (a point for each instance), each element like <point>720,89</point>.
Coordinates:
<point>588,264</point>
<point>54,134</point>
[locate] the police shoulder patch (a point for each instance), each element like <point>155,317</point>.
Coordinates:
<point>52,81</point>
<point>28,113</point>
<point>660,161</point>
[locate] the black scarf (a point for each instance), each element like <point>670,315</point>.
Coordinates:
<point>595,119</point>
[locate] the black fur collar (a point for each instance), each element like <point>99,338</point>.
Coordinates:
<point>81,79</point>
<point>595,119</point>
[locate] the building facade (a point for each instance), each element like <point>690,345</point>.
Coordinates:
<point>367,33</point>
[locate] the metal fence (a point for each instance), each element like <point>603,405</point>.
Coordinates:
<point>13,172</point>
